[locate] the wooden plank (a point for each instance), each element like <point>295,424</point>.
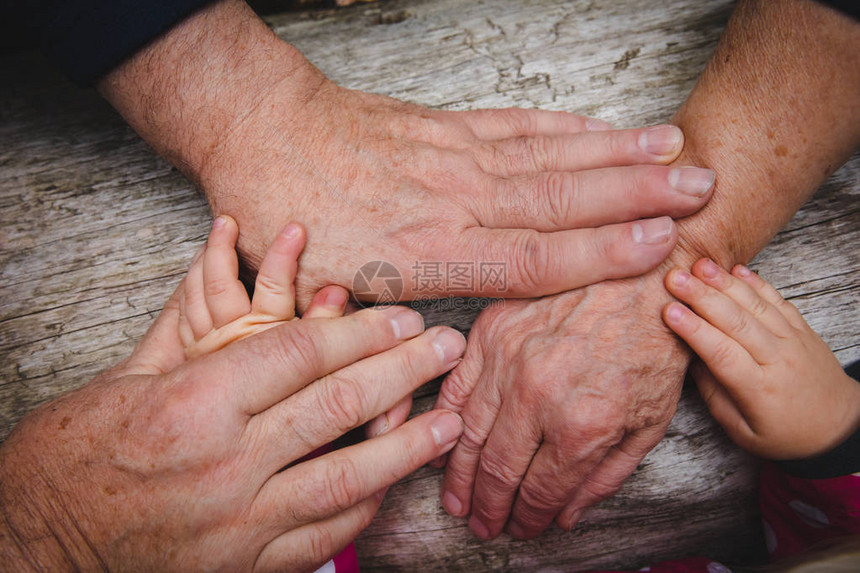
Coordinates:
<point>96,230</point>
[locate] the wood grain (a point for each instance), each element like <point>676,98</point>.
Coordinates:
<point>96,231</point>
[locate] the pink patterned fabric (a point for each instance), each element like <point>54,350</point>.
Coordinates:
<point>797,513</point>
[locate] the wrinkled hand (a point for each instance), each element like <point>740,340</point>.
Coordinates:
<point>165,465</point>
<point>562,397</point>
<point>270,140</point>
<point>373,178</point>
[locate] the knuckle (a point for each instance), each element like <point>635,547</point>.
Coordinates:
<point>299,348</point>
<point>531,259</point>
<point>270,284</point>
<point>341,401</point>
<point>319,544</point>
<point>518,120</point>
<point>539,497</point>
<point>739,322</point>
<point>542,151</point>
<point>341,487</point>
<point>721,355</point>
<point>758,307</point>
<point>456,389</point>
<point>561,190</point>
<point>217,286</point>
<point>498,470</point>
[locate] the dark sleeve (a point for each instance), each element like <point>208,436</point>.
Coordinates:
<point>841,461</point>
<point>850,7</point>
<point>88,38</point>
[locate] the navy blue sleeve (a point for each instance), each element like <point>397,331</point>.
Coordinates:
<point>88,38</point>
<point>850,7</point>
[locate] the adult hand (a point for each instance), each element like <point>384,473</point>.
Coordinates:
<point>270,139</point>
<point>161,464</point>
<point>562,397</point>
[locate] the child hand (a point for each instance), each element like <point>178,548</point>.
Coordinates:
<point>770,380</point>
<point>214,309</point>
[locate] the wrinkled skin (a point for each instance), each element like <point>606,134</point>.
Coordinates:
<point>590,390</point>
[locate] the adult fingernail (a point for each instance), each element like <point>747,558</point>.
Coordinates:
<point>594,124</point>
<point>653,231</point>
<point>680,278</point>
<point>452,504</point>
<point>692,180</point>
<point>515,530</point>
<point>446,428</point>
<point>660,140</point>
<point>377,426</point>
<point>406,323</point>
<point>449,345</point>
<point>292,231</point>
<point>710,270</point>
<point>479,528</point>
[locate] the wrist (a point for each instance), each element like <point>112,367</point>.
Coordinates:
<point>37,533</point>
<point>190,89</point>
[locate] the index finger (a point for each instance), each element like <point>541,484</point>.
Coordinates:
<point>538,264</point>
<point>261,371</point>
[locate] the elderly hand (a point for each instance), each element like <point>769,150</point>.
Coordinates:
<point>271,140</point>
<point>562,398</point>
<point>165,465</point>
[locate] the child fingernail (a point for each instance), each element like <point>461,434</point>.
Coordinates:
<point>743,271</point>
<point>680,278</point>
<point>219,223</point>
<point>710,270</point>
<point>292,231</point>
<point>674,313</point>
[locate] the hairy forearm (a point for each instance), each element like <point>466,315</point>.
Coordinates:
<point>774,114</point>
<point>189,89</point>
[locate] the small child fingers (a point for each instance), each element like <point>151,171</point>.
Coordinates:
<point>275,291</point>
<point>725,357</point>
<point>720,403</point>
<point>193,306</point>
<point>723,313</point>
<point>767,292</point>
<point>225,294</point>
<point>743,294</point>
<point>329,302</point>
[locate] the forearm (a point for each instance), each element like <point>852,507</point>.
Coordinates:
<point>187,90</point>
<point>774,114</point>
<point>27,539</point>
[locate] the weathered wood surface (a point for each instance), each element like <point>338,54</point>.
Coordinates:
<point>97,230</point>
